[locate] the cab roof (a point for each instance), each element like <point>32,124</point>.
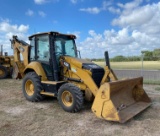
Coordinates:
<point>51,33</point>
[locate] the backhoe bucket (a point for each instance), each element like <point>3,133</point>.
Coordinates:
<point>17,68</point>
<point>120,100</point>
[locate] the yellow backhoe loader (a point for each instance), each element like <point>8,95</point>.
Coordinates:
<point>51,67</point>
<point>6,64</point>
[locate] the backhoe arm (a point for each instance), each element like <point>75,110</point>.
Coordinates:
<point>19,47</point>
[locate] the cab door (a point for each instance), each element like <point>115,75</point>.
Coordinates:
<point>40,52</point>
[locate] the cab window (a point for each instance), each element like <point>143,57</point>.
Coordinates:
<point>43,53</point>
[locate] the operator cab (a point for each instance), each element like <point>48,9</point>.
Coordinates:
<point>46,48</point>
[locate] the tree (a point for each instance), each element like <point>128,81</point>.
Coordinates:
<point>156,54</point>
<point>119,58</point>
<point>148,55</point>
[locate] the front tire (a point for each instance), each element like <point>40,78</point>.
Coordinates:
<point>3,72</point>
<point>32,87</point>
<point>70,97</point>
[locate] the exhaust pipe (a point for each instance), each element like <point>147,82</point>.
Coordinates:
<point>107,59</point>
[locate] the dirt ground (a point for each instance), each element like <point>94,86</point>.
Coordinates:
<point>19,117</point>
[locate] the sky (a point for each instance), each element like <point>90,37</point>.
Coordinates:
<point>121,27</point>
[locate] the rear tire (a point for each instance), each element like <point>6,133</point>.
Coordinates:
<point>3,72</point>
<point>70,97</point>
<point>32,87</point>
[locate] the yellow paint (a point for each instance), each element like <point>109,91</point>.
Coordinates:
<point>52,82</point>
<point>67,98</point>
<point>47,94</point>
<point>29,87</point>
<point>7,62</point>
<point>111,98</point>
<point>116,97</point>
<point>79,73</point>
<point>19,48</point>
<point>1,72</point>
<point>37,67</point>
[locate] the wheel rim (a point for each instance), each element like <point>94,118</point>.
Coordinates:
<point>67,98</point>
<point>29,87</point>
<point>2,72</point>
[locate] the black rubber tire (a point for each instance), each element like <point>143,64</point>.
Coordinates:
<point>77,95</point>
<point>32,76</point>
<point>11,71</point>
<point>4,69</point>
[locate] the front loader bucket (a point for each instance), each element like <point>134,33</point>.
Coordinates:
<point>120,100</point>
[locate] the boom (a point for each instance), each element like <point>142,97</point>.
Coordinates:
<point>19,47</point>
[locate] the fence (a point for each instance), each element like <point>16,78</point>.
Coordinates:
<point>149,76</point>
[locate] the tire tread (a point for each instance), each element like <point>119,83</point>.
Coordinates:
<point>79,99</point>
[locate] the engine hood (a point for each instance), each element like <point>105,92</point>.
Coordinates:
<point>82,63</point>
<point>77,62</point>
<point>95,70</point>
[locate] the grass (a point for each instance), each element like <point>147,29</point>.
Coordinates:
<point>152,82</point>
<point>148,65</point>
<point>157,88</point>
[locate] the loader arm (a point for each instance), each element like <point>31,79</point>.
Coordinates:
<point>19,47</point>
<point>88,81</point>
<point>108,76</point>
